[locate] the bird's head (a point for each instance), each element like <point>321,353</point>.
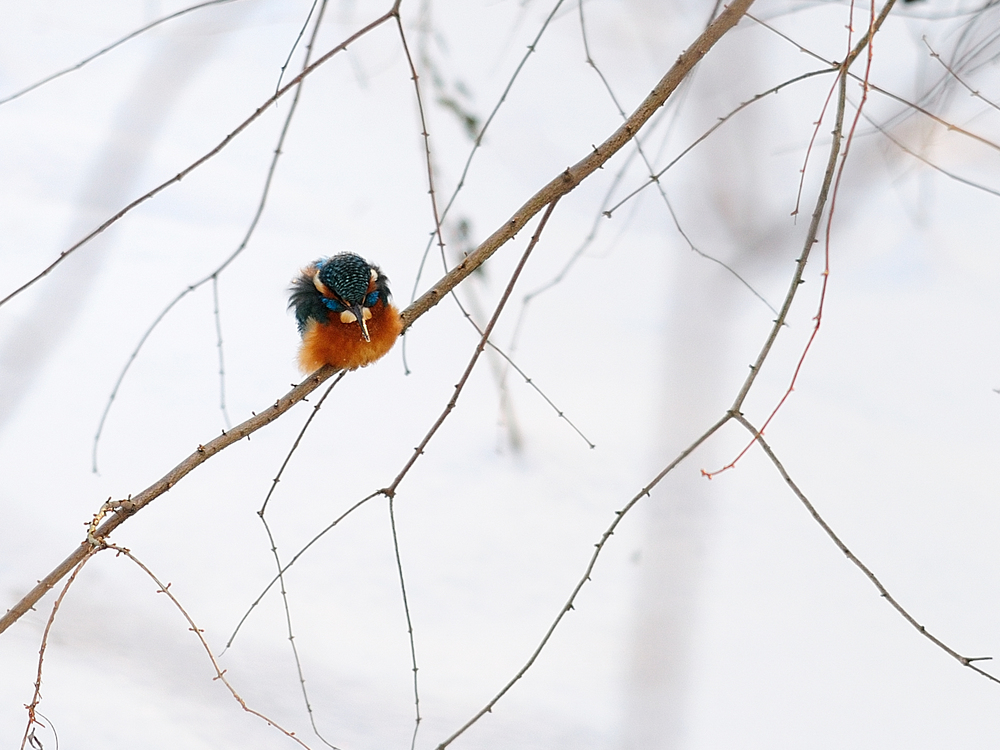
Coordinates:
<point>350,286</point>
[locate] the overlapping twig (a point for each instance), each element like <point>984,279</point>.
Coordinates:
<point>390,490</point>
<point>735,413</point>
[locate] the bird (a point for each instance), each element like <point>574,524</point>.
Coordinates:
<point>344,311</point>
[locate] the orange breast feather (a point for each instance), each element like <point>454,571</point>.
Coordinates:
<point>342,345</point>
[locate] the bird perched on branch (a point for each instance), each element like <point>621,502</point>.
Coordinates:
<point>345,316</point>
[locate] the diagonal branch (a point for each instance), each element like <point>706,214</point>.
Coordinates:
<point>390,491</point>
<point>556,188</point>
<point>965,661</point>
<point>599,548</point>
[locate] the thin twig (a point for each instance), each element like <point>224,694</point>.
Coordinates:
<point>439,218</point>
<point>965,661</point>
<point>298,439</point>
<point>390,491</point>
<point>831,175</point>
<point>595,159</point>
<point>425,134</point>
<point>656,178</point>
<point>599,547</point>
<point>94,56</point>
<point>295,44</point>
<point>951,127</point>
<point>920,157</point>
<point>213,277</point>
<point>291,639</point>
<point>291,562</point>
<point>220,674</point>
<point>529,381</point>
<point>222,360</point>
<point>409,622</point>
<point>37,697</point>
<point>718,123</point>
<point>818,210</point>
<point>479,142</point>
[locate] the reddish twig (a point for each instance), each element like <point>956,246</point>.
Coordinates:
<point>831,174</point>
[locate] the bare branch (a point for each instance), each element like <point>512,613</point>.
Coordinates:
<point>965,661</point>
<point>599,547</point>
<point>220,674</point>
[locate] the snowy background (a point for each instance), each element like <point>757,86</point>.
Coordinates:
<point>719,614</point>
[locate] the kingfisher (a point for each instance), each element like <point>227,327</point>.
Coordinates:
<point>344,311</point>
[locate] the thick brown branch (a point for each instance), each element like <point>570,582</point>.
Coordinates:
<point>558,187</point>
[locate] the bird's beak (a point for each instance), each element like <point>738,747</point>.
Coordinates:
<point>359,313</point>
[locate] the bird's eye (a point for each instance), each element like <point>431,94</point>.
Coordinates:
<point>332,304</point>
<point>371,299</point>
